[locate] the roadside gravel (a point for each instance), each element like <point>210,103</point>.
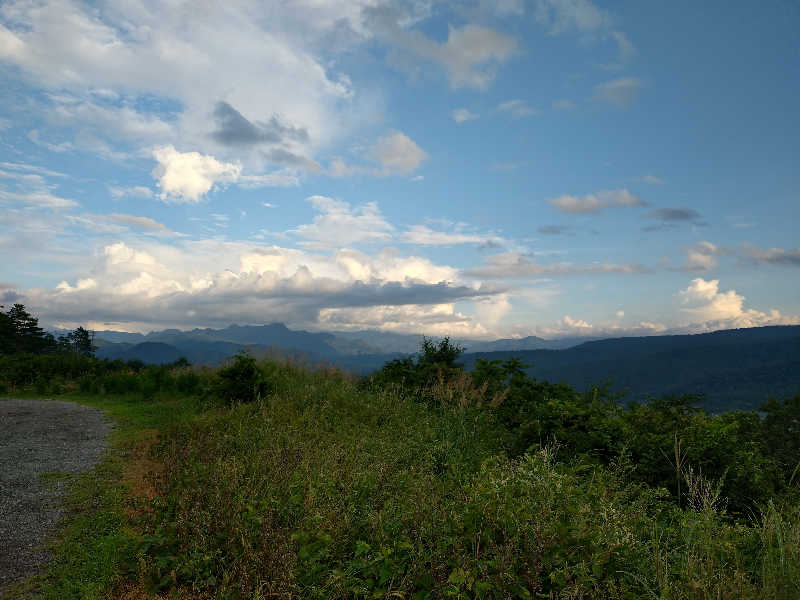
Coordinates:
<point>40,437</point>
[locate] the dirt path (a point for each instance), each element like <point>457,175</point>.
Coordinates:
<point>37,438</point>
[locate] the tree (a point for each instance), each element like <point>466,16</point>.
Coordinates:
<point>7,333</point>
<point>20,332</point>
<point>79,341</point>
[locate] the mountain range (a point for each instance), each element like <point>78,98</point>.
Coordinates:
<point>736,368</point>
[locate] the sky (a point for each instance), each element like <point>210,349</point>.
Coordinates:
<point>472,168</point>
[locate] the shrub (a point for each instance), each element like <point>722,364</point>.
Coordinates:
<point>241,380</point>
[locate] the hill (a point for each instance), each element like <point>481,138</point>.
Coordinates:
<point>736,368</point>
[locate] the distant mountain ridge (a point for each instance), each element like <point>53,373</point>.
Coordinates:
<point>732,368</point>
<point>735,368</point>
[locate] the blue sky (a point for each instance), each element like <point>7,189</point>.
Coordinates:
<point>487,169</point>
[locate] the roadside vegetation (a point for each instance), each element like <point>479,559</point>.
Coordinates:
<point>267,479</point>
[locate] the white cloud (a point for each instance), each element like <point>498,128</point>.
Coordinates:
<point>626,49</point>
<point>397,154</point>
<point>282,178</point>
<point>568,326</point>
<point>216,283</point>
<point>703,256</point>
<point>516,108</point>
<point>564,15</point>
<point>470,55</point>
<point>621,92</point>
<point>26,168</point>
<point>709,309</point>
<point>651,179</point>
<point>117,223</point>
<point>433,320</point>
<point>36,199</point>
<point>422,235</point>
<point>138,191</point>
<point>189,176</point>
<point>137,222</point>
<point>99,61</point>
<point>593,203</point>
<point>31,188</point>
<point>462,115</point>
<point>339,225</point>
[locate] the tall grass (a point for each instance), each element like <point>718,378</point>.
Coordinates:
<point>324,489</point>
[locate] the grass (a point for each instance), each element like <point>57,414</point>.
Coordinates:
<point>324,489</point>
<point>96,547</point>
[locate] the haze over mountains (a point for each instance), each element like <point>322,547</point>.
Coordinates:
<point>737,368</point>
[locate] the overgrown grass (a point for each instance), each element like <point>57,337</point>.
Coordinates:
<point>97,547</point>
<point>324,488</point>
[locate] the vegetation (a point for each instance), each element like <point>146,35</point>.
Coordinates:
<point>20,334</point>
<point>424,481</point>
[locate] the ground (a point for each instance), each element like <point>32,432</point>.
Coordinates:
<point>42,444</point>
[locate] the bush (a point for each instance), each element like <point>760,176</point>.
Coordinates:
<point>241,380</point>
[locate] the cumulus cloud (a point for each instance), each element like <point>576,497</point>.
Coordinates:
<point>216,283</point>
<point>621,92</point>
<point>340,225</point>
<point>709,309</point>
<point>470,55</point>
<point>594,203</point>
<point>187,177</point>
<point>436,319</point>
<point>570,327</point>
<point>772,256</point>
<point>703,256</point>
<point>106,65</point>
<point>515,264</point>
<point>462,115</point>
<point>397,154</point>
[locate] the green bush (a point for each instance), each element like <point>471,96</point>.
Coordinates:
<point>241,380</point>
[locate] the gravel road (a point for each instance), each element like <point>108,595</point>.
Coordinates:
<point>39,437</point>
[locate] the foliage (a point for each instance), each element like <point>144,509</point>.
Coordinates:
<point>435,363</point>
<point>424,481</point>
<point>79,341</point>
<point>20,333</point>
<point>241,380</point>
